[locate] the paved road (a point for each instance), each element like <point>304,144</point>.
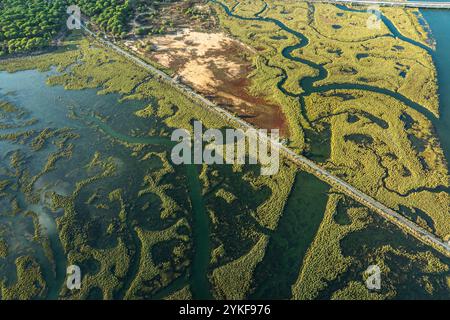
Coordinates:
<point>308,165</point>
<point>404,4</point>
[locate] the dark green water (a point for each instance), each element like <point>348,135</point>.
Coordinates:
<point>439,22</point>
<point>308,83</point>
<point>199,282</point>
<point>297,227</point>
<point>28,91</point>
<point>50,106</point>
<point>302,216</point>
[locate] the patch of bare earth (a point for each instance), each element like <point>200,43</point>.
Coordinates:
<point>217,66</point>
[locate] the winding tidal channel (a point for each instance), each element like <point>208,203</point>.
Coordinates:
<point>439,23</point>
<point>199,283</point>
<point>33,93</point>
<point>49,104</point>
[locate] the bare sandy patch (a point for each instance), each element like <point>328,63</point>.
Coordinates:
<point>192,54</point>
<point>217,66</point>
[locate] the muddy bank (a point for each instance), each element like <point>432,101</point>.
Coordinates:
<point>218,67</point>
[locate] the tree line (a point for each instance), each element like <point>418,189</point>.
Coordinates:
<point>27,25</point>
<point>110,15</point>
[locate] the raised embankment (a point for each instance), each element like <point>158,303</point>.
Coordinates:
<point>306,164</point>
<point>404,4</point>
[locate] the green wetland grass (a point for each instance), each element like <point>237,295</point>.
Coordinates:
<point>123,211</point>
<point>99,165</point>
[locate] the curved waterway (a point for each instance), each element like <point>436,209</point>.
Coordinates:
<point>54,275</point>
<point>391,27</point>
<point>308,83</point>
<point>439,23</point>
<point>50,104</point>
<point>199,283</point>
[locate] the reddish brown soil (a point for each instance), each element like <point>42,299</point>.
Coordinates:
<point>220,73</point>
<point>216,66</point>
<point>255,110</point>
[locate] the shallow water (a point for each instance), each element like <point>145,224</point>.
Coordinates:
<point>50,106</point>
<point>55,107</point>
<point>439,22</point>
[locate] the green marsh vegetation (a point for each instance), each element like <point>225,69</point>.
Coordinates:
<point>26,26</point>
<point>393,145</point>
<point>342,251</point>
<point>267,74</point>
<point>297,227</point>
<point>400,66</point>
<point>232,281</point>
<point>406,22</point>
<point>110,16</point>
<point>240,227</point>
<point>30,283</point>
<point>348,53</point>
<point>125,214</point>
<point>324,260</point>
<point>3,249</point>
<point>183,294</point>
<point>30,26</point>
<point>382,143</point>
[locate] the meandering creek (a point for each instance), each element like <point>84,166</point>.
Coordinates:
<point>439,23</point>
<point>438,19</point>
<point>49,105</point>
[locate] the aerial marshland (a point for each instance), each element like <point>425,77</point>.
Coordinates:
<point>86,177</point>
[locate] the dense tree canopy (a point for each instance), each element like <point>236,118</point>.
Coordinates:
<point>27,25</point>
<point>110,15</point>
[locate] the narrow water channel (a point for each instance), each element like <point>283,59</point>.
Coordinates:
<point>49,104</point>
<point>288,245</point>
<point>439,21</point>
<point>308,83</point>
<point>199,283</point>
